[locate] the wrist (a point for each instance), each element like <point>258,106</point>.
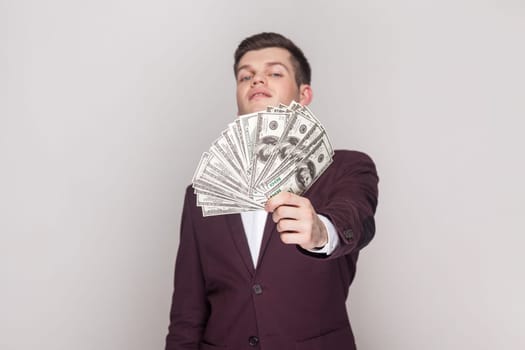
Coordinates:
<point>323,239</point>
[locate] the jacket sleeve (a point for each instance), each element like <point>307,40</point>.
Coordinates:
<point>349,200</point>
<point>189,308</point>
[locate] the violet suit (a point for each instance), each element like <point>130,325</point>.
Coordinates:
<point>293,299</point>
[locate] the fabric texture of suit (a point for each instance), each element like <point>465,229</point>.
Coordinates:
<point>292,299</point>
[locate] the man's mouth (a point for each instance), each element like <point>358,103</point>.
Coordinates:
<point>259,94</point>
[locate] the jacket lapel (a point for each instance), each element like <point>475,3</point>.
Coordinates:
<point>269,232</point>
<point>239,239</point>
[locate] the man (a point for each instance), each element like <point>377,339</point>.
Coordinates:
<point>305,174</point>
<point>280,280</point>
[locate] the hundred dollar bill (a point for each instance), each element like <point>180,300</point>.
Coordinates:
<point>299,108</point>
<point>270,128</point>
<point>295,140</point>
<point>299,179</point>
<point>214,200</point>
<point>306,112</point>
<point>222,179</point>
<point>247,124</point>
<point>213,177</point>
<point>236,135</point>
<point>205,170</point>
<point>284,148</point>
<point>301,150</point>
<point>206,187</point>
<point>212,211</point>
<point>281,109</point>
<point>220,149</point>
<point>209,177</point>
<point>221,183</point>
<point>203,162</point>
<point>232,149</point>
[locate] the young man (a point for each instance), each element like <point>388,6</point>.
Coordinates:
<point>279,279</point>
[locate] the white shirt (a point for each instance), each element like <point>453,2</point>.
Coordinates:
<point>254,222</point>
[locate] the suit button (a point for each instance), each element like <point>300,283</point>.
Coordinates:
<point>253,340</point>
<point>257,289</point>
<point>349,234</point>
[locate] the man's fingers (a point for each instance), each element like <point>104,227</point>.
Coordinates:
<point>290,226</point>
<point>285,212</point>
<point>292,238</point>
<point>294,217</point>
<point>284,198</point>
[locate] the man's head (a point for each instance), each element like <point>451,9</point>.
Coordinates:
<point>270,69</point>
<point>305,175</point>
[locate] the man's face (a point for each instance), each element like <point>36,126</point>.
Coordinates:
<point>266,78</point>
<point>304,177</point>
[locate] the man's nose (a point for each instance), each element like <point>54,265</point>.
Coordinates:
<point>258,79</point>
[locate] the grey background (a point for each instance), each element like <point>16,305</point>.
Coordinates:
<point>106,107</point>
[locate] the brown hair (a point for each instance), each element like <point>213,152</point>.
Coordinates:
<point>303,73</point>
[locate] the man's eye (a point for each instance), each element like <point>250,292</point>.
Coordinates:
<point>245,78</point>
<point>276,75</point>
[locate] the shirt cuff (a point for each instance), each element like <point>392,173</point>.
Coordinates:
<point>333,237</point>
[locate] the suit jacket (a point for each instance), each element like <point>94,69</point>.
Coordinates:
<point>292,299</point>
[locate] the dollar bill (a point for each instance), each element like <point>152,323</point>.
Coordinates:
<point>270,128</point>
<point>300,178</point>
<point>247,125</point>
<point>299,132</point>
<point>283,148</point>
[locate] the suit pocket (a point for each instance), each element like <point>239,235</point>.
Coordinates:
<point>206,346</point>
<point>339,339</point>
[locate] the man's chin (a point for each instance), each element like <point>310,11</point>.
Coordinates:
<point>257,106</point>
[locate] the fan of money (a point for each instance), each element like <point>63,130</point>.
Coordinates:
<point>284,148</point>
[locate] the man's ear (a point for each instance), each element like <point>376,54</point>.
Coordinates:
<point>305,94</point>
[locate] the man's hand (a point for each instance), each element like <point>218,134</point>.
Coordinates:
<point>297,221</point>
